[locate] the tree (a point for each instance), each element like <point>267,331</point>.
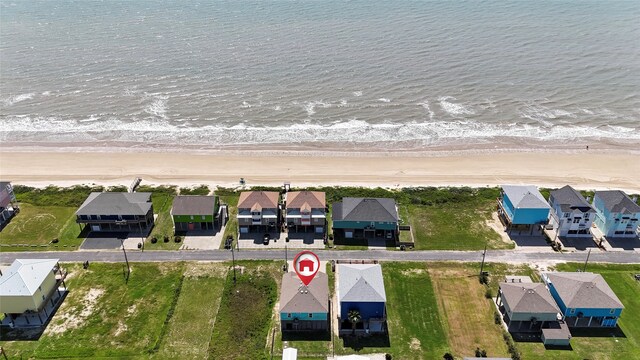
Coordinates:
<point>354,317</point>
<point>448,356</point>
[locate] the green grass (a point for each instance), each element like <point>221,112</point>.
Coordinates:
<point>103,316</point>
<point>620,279</point>
<point>454,226</point>
<point>245,316</point>
<point>162,199</point>
<point>54,196</point>
<point>189,331</point>
<point>38,225</point>
<point>231,229</point>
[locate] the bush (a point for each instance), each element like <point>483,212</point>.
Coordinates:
<point>55,241</point>
<point>496,318</point>
<point>177,239</point>
<point>154,240</point>
<point>166,239</point>
<point>448,356</point>
<point>488,293</point>
<point>387,356</point>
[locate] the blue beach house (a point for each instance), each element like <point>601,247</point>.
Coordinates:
<point>523,208</point>
<point>365,218</point>
<point>361,288</point>
<point>616,214</point>
<point>304,308</point>
<point>585,299</point>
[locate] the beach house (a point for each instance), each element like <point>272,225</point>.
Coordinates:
<point>8,203</point>
<point>616,214</point>
<point>523,209</point>
<point>258,211</point>
<point>194,212</point>
<point>528,307</point>
<point>585,299</point>
<point>365,218</point>
<point>305,211</point>
<point>29,290</point>
<point>116,211</point>
<point>571,215</point>
<point>361,291</point>
<point>304,307</point>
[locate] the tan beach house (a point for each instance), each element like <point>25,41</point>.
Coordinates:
<point>306,211</point>
<point>258,211</point>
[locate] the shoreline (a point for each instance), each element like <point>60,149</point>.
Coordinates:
<point>590,170</point>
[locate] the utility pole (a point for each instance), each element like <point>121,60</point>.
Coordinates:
<point>484,254</point>
<point>233,259</point>
<point>586,261</point>
<point>125,258</point>
<point>286,259</point>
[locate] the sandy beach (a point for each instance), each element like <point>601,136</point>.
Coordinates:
<point>581,169</point>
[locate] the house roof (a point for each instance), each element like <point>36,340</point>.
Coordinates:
<point>296,297</point>
<point>310,199</point>
<point>528,298</point>
<point>116,203</point>
<point>258,200</point>
<point>25,276</point>
<point>569,199</point>
<point>525,196</point>
<point>584,290</point>
<point>618,202</point>
<point>366,209</point>
<point>3,184</point>
<point>361,283</point>
<point>193,205</point>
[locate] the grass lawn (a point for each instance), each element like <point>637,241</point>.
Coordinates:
<point>162,199</point>
<point>189,331</point>
<point>232,225</point>
<point>468,314</point>
<point>454,226</point>
<point>241,329</point>
<point>105,317</point>
<point>609,344</point>
<point>37,225</point>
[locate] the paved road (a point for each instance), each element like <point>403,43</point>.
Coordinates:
<point>505,256</point>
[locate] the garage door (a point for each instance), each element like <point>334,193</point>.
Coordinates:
<point>244,230</point>
<point>319,229</point>
<point>348,234</point>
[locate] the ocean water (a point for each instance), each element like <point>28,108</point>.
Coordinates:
<point>368,73</point>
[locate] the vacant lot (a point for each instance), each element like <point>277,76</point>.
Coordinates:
<point>162,199</point>
<point>245,316</point>
<point>454,226</point>
<point>622,343</point>
<point>468,314</point>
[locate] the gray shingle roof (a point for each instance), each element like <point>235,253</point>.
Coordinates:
<point>116,203</point>
<point>3,184</point>
<point>25,276</point>
<point>366,209</point>
<point>295,297</point>
<point>618,202</point>
<point>193,205</point>
<point>584,290</point>
<point>569,199</point>
<point>528,298</point>
<point>361,283</point>
<point>527,197</point>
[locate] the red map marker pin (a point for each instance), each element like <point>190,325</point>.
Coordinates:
<point>306,265</point>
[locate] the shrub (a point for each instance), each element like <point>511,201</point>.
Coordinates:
<point>496,318</point>
<point>488,293</point>
<point>448,356</point>
<point>177,239</point>
<point>166,239</point>
<point>154,240</point>
<point>55,241</point>
<point>387,356</point>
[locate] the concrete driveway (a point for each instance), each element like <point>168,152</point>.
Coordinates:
<point>203,240</point>
<point>103,241</point>
<point>278,241</point>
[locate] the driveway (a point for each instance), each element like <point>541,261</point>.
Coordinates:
<point>624,243</point>
<point>103,241</point>
<point>203,240</point>
<point>579,243</point>
<point>278,241</point>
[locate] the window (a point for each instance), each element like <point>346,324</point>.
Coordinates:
<point>576,220</point>
<point>289,315</point>
<point>42,297</point>
<point>310,315</point>
<point>567,215</point>
<point>572,311</point>
<point>612,311</point>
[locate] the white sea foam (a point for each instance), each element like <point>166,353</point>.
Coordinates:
<point>425,105</point>
<point>543,113</point>
<point>454,109</point>
<point>357,93</point>
<point>46,93</point>
<point>385,100</point>
<point>18,98</point>
<point>310,106</point>
<point>158,107</point>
